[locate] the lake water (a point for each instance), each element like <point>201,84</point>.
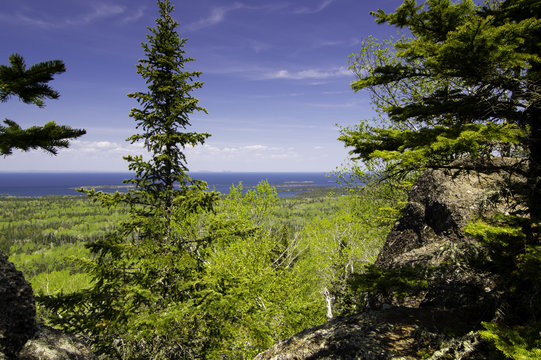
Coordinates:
<point>43,184</point>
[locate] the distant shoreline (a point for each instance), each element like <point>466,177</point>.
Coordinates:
<point>44,184</point>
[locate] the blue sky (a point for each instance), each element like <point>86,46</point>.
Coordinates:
<point>275,74</point>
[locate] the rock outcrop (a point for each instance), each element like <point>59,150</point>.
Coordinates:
<point>436,321</point>
<point>18,309</point>
<point>397,333</point>
<point>21,337</point>
<point>51,344</point>
<point>430,238</point>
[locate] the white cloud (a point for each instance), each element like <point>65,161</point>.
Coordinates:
<point>256,147</point>
<point>104,148</point>
<point>108,148</point>
<point>99,11</point>
<point>23,19</point>
<point>135,15</point>
<point>104,144</point>
<point>217,15</point>
<point>321,7</point>
<point>332,43</point>
<point>336,92</point>
<point>96,12</point>
<point>309,74</point>
<point>240,152</point>
<point>351,104</point>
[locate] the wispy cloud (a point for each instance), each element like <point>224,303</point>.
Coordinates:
<point>104,148</point>
<point>111,149</point>
<point>259,46</point>
<point>350,104</point>
<point>23,19</point>
<point>256,72</point>
<point>217,15</point>
<point>332,43</point>
<point>321,7</point>
<point>255,151</point>
<point>313,74</point>
<point>274,96</point>
<point>135,15</point>
<point>96,12</point>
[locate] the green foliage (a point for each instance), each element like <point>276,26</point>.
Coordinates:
<point>147,271</point>
<point>37,261</point>
<point>372,280</point>
<point>340,244</point>
<point>30,86</point>
<point>371,182</point>
<point>36,224</point>
<point>60,281</point>
<point>464,87</point>
<point>515,254</point>
<point>253,296</point>
<point>260,279</point>
<point>447,90</point>
<point>521,343</point>
<point>378,177</point>
<point>45,237</point>
<point>503,235</point>
<point>432,146</point>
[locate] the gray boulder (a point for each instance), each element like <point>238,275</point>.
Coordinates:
<point>51,344</point>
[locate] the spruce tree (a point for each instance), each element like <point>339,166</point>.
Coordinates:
<point>147,270</point>
<point>30,86</point>
<point>483,63</point>
<point>483,108</point>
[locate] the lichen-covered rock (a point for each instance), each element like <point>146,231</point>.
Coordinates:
<point>440,204</point>
<point>51,344</point>
<point>396,333</point>
<point>430,237</point>
<point>17,309</point>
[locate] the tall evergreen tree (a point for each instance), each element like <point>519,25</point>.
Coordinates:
<point>483,107</point>
<point>30,86</point>
<point>147,270</point>
<point>484,65</point>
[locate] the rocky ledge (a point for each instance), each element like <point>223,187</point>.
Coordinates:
<point>394,333</point>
